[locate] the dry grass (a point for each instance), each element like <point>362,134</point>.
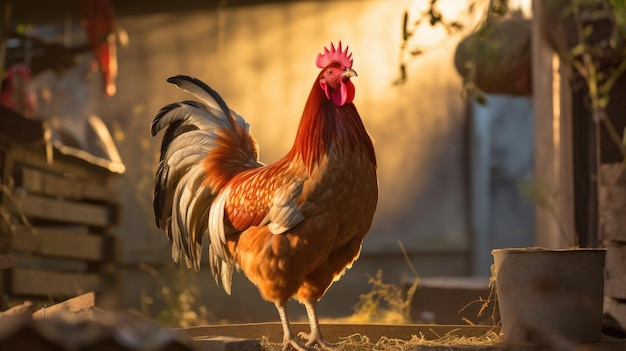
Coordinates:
<point>389,304</point>
<point>358,342</point>
<point>385,303</point>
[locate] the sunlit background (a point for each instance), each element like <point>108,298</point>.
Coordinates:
<point>260,56</point>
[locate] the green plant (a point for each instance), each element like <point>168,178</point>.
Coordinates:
<point>176,300</point>
<point>585,59</point>
<point>434,17</point>
<point>410,48</point>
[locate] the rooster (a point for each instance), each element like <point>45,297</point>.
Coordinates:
<point>294,226</point>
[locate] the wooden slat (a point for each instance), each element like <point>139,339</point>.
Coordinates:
<point>566,162</point>
<point>552,130</point>
<point>26,260</point>
<point>616,309</point>
<point>64,211</point>
<point>79,304</point>
<point>335,332</point>
<point>26,307</point>
<point>615,285</point>
<point>17,129</point>
<point>53,185</point>
<point>59,243</point>
<point>6,261</point>
<point>58,163</point>
<point>612,202</point>
<point>546,150</point>
<point>57,284</point>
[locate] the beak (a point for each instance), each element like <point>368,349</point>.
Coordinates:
<point>348,72</point>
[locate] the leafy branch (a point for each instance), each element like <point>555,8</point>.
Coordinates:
<point>433,15</point>
<point>599,85</point>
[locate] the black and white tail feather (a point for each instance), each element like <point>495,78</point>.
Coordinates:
<point>184,204</point>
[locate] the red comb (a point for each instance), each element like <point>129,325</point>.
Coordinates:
<point>334,55</point>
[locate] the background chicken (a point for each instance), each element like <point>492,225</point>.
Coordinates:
<point>293,226</point>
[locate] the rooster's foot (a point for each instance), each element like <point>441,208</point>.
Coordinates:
<point>316,339</point>
<point>296,344</point>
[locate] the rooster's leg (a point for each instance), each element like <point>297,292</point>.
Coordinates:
<point>288,337</point>
<point>315,337</point>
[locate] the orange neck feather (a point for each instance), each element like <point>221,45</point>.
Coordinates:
<point>324,125</point>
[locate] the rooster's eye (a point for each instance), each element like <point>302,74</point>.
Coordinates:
<point>330,72</point>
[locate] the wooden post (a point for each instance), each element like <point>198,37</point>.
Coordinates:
<point>566,158</point>
<point>553,150</point>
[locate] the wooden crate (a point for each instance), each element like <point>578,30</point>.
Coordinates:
<point>615,285</point>
<point>57,208</point>
<point>612,203</point>
<point>612,220</point>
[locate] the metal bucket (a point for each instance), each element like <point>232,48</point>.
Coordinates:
<point>555,292</point>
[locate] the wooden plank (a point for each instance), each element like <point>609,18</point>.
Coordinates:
<point>615,285</point>
<point>27,260</point>
<point>5,233</point>
<point>59,243</point>
<point>37,282</point>
<point>6,262</point>
<point>98,192</point>
<point>436,337</point>
<point>64,211</point>
<point>15,128</point>
<point>79,304</point>
<point>225,343</point>
<point>616,309</point>
<point>59,164</point>
<point>553,165</point>
<point>567,233</point>
<point>47,184</point>
<point>463,298</point>
<point>2,159</point>
<point>86,157</point>
<point>27,306</point>
<point>545,147</point>
<point>612,202</point>
<point>67,187</point>
<point>335,332</point>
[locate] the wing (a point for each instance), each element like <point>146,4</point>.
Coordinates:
<point>267,196</point>
<point>257,197</point>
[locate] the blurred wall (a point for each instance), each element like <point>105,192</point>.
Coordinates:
<point>261,59</point>
<point>502,206</point>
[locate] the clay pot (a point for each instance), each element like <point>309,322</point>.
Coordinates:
<point>500,54</point>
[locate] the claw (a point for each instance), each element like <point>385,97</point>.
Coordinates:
<point>289,340</point>
<point>296,345</point>
<point>316,339</point>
